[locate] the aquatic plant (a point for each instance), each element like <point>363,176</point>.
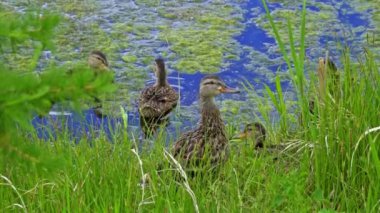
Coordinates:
<point>204,45</point>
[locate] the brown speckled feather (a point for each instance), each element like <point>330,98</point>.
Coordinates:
<point>207,142</point>
<point>193,147</point>
<point>156,101</point>
<point>207,145</point>
<point>155,104</point>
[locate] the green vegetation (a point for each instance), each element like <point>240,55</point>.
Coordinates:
<point>26,93</point>
<point>343,135</point>
<point>203,45</point>
<point>331,162</point>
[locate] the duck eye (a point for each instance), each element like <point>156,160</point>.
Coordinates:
<point>209,82</point>
<point>99,59</point>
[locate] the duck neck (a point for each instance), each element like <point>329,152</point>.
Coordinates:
<point>210,114</point>
<point>161,77</point>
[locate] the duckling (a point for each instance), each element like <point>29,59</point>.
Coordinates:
<point>157,101</point>
<point>255,132</point>
<point>99,63</point>
<point>208,141</point>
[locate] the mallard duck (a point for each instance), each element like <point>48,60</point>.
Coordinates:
<point>99,63</point>
<point>157,101</point>
<point>254,132</point>
<point>208,141</point>
<point>96,61</point>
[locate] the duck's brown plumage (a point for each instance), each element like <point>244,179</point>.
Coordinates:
<point>157,101</point>
<point>208,141</point>
<point>97,61</point>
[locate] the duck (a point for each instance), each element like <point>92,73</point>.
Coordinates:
<point>98,62</point>
<point>209,140</point>
<point>156,101</point>
<point>254,132</point>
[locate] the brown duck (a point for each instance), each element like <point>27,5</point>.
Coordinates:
<point>254,132</point>
<point>208,141</point>
<point>157,101</point>
<point>97,61</point>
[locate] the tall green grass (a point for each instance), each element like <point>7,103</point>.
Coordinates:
<point>344,134</point>
<point>108,177</point>
<point>331,161</point>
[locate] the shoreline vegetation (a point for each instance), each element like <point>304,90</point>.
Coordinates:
<point>330,161</point>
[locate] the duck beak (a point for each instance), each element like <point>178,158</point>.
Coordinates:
<point>105,67</point>
<point>241,136</point>
<point>228,90</point>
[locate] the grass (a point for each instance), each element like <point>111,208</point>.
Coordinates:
<point>331,163</point>
<point>107,177</point>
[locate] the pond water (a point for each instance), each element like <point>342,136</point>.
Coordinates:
<point>230,38</point>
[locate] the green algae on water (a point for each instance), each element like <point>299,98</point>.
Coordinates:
<point>204,44</point>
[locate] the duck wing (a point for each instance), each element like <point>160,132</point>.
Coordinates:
<point>157,101</point>
<point>197,146</point>
<point>189,147</point>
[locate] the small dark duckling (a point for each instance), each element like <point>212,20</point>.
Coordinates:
<point>208,143</point>
<point>255,132</point>
<point>157,101</point>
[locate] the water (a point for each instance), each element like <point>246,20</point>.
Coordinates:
<point>331,23</point>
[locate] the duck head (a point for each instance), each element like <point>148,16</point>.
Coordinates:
<point>212,86</point>
<point>98,60</point>
<point>255,132</point>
